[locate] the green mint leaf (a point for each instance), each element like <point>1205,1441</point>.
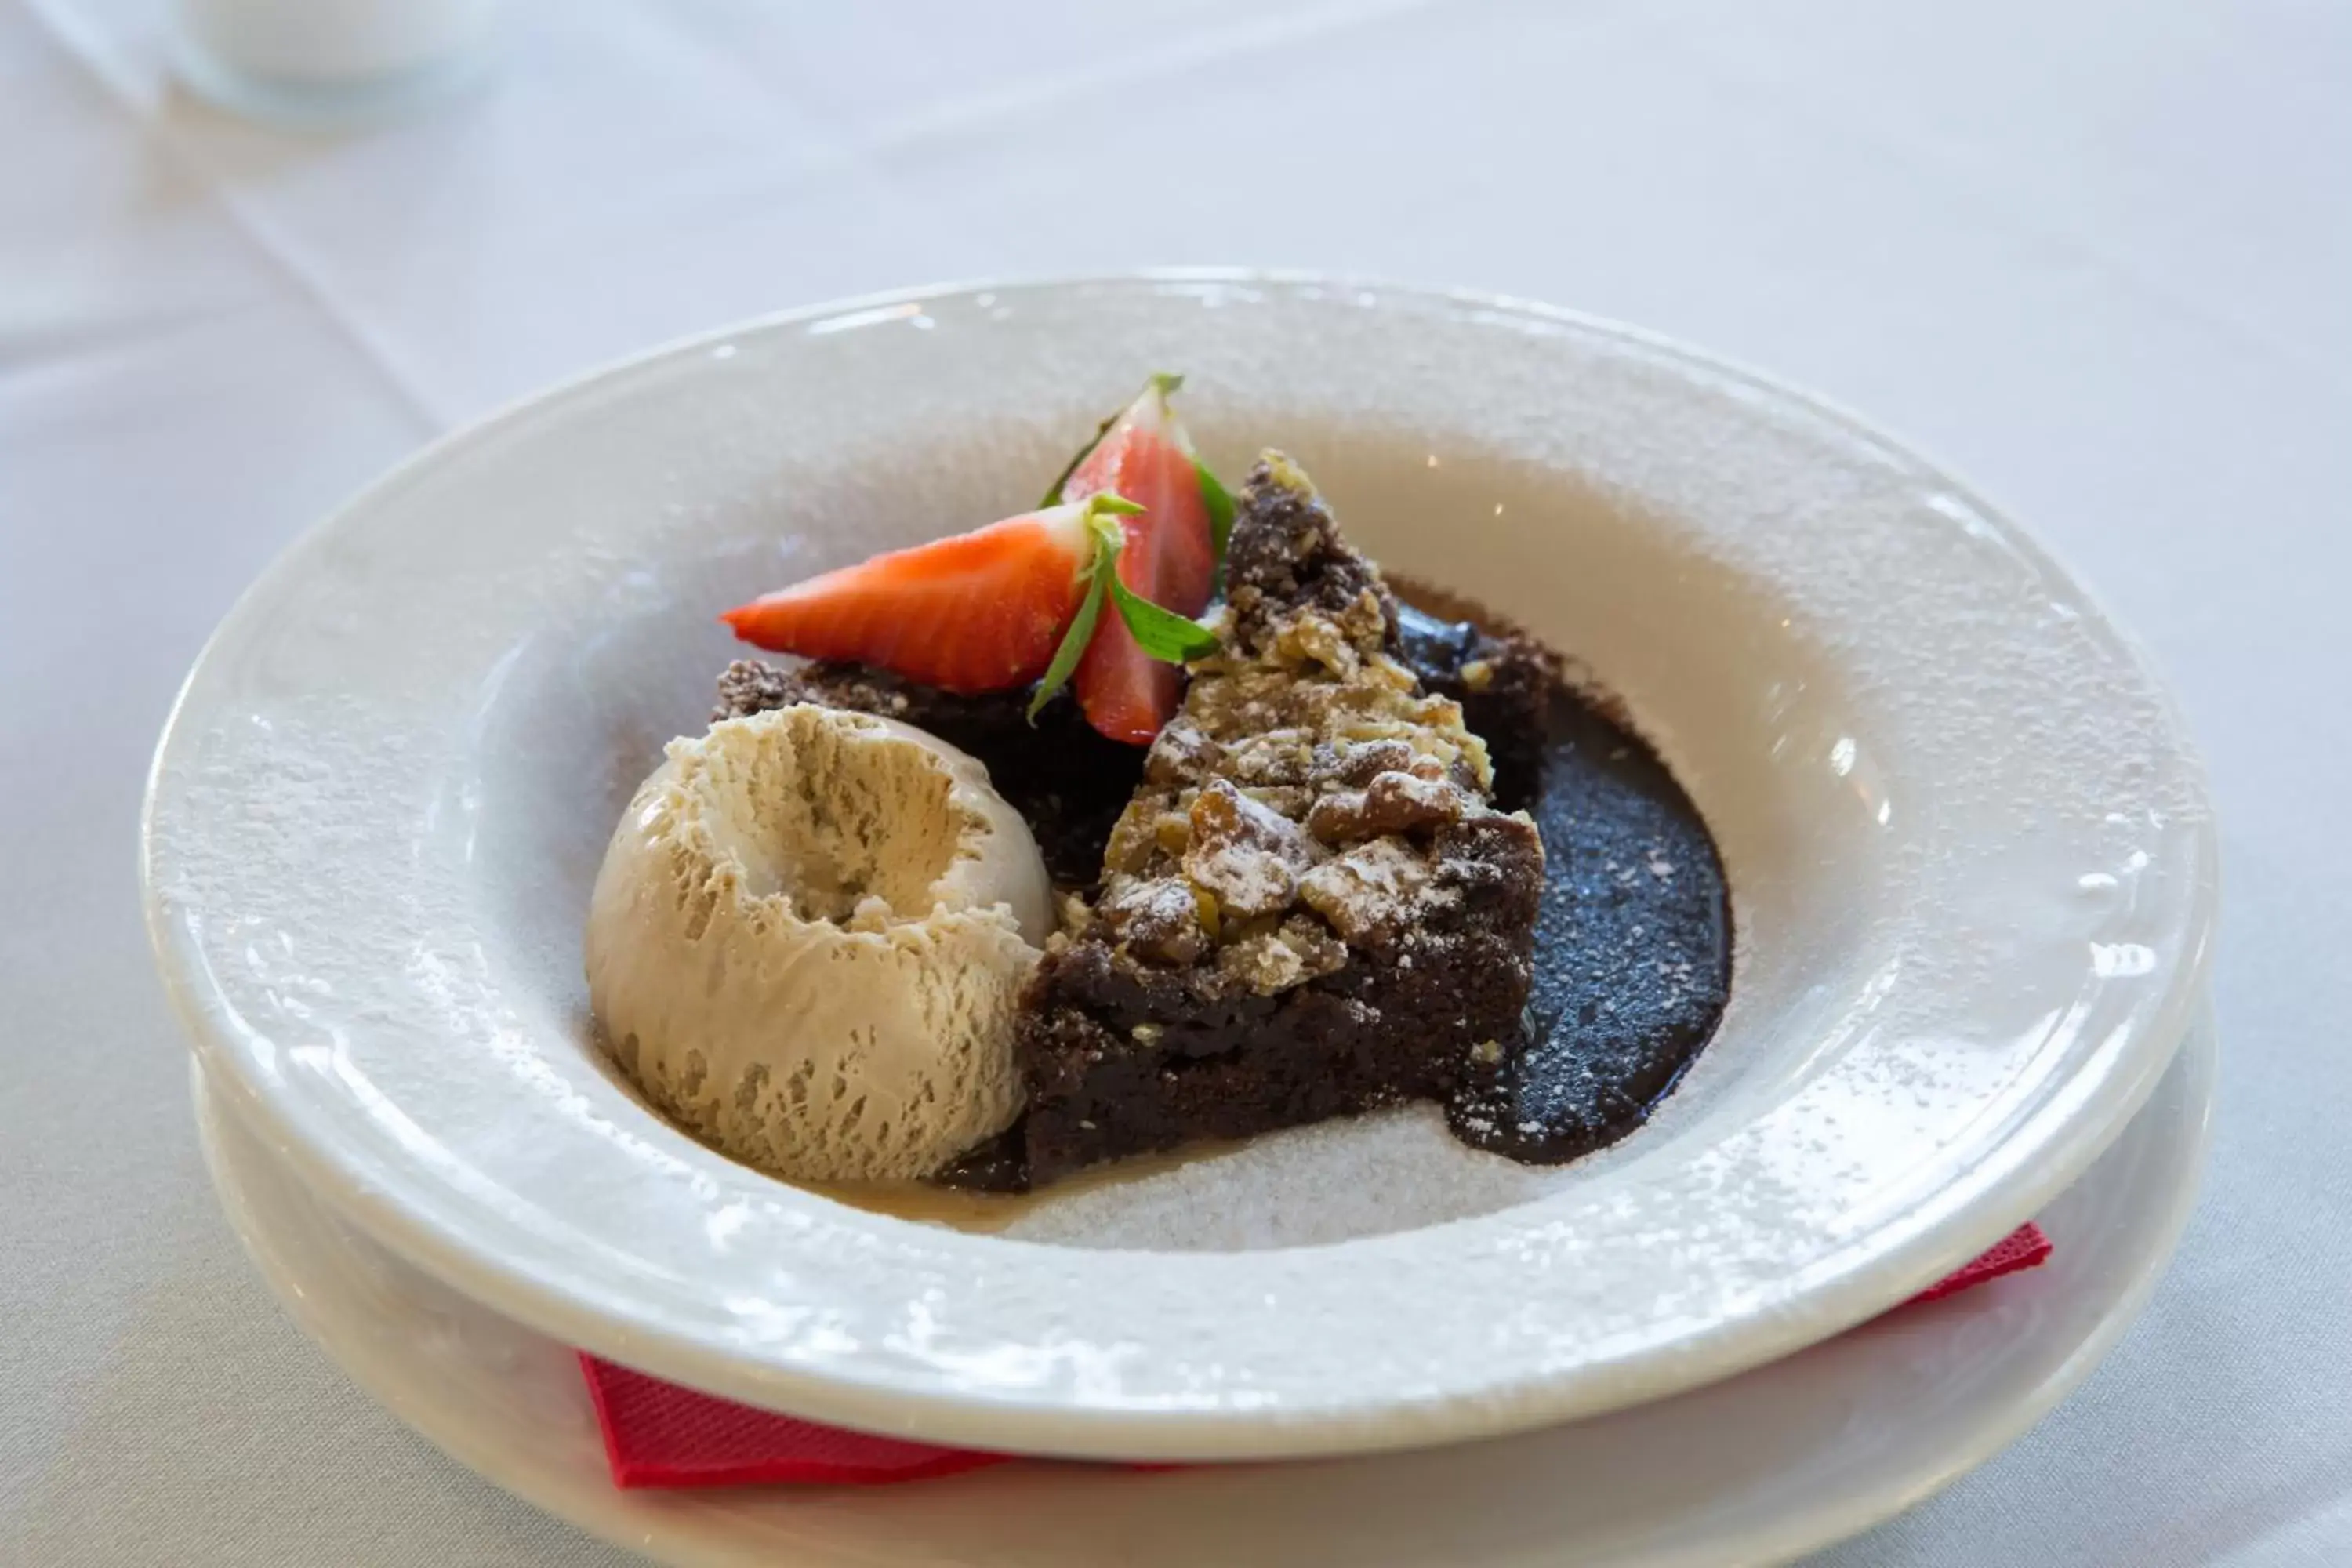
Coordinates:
<point>1220,503</point>
<point>1080,633</point>
<point>1100,573</point>
<point>1162,632</point>
<point>1159,632</point>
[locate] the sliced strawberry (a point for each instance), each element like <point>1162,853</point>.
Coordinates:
<point>1169,557</point>
<point>1135,521</point>
<point>978,611</point>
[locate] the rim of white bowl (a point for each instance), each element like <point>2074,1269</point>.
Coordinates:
<point>583,1493</point>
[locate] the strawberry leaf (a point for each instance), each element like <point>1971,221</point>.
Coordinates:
<point>1162,632</point>
<point>1220,504</point>
<point>1074,641</point>
<point>1159,632</point>
<point>1099,573</point>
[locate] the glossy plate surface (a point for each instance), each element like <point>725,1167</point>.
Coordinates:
<point>1972,869</point>
<point>1779,1460</point>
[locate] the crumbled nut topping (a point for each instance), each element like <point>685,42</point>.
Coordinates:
<point>1375,890</point>
<point>1244,852</point>
<point>1182,751</point>
<point>1392,803</point>
<point>1157,917</point>
<point>1292,807</point>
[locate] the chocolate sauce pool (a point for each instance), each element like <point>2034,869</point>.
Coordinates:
<point>1633,951</point>
<point>1632,944</point>
<point>1633,958</point>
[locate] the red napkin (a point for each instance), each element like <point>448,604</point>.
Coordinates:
<point>660,1435</point>
<point>2024,1248</point>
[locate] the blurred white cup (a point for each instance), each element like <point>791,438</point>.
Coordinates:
<point>331,62</point>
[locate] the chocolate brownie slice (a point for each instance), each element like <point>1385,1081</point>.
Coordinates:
<point>1310,907</point>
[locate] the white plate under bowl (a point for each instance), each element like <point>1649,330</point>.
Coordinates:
<point>1972,870</point>
<point>1779,1460</point>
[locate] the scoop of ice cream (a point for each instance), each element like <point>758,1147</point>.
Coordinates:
<point>807,941</point>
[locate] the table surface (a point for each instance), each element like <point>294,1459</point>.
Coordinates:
<point>2094,255</point>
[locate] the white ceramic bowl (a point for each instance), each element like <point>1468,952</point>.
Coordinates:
<point>1973,872</point>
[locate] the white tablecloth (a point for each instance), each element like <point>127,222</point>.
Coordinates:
<point>2096,255</point>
